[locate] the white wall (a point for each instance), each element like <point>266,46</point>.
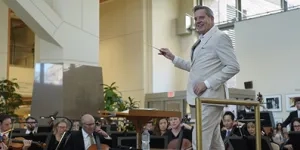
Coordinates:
<point>164,14</point>
<point>127,27</point>
<point>121,46</point>
<point>3,40</point>
<point>268,51</point>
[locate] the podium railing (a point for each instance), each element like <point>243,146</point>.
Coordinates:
<point>199,102</point>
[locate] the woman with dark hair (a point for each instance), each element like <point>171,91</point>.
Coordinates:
<point>161,127</point>
<point>296,125</point>
<point>278,134</point>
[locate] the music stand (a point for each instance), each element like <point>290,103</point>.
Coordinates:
<point>248,143</point>
<point>267,116</point>
<point>294,137</point>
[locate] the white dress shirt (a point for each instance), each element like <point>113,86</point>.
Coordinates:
<point>298,113</point>
<point>28,131</point>
<point>6,134</point>
<point>86,139</point>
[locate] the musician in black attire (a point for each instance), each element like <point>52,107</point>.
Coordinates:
<point>228,121</point>
<point>176,127</point>
<point>296,125</point>
<point>293,114</point>
<point>86,137</point>
<point>59,128</point>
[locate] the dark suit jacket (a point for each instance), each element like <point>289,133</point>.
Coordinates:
<point>289,119</point>
<point>223,134</point>
<point>76,141</point>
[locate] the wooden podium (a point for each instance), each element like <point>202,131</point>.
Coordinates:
<point>139,117</point>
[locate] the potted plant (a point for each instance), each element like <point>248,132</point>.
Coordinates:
<point>9,99</point>
<point>112,96</point>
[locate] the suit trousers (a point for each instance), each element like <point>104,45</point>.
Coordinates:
<point>211,134</point>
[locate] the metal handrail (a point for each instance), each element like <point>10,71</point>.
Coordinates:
<point>199,102</point>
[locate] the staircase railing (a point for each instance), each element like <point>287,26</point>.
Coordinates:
<point>200,101</point>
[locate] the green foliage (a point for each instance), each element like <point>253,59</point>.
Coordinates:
<point>112,96</point>
<point>113,102</point>
<point>9,99</point>
<point>113,99</point>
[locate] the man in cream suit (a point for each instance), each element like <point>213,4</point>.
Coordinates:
<point>212,63</point>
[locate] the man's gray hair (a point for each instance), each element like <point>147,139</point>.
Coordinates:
<point>208,11</point>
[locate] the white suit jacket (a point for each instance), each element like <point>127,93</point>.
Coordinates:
<point>214,61</point>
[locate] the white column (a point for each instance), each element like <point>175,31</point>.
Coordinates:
<point>3,40</point>
<point>67,31</point>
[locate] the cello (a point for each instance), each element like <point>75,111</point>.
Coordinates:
<point>103,147</point>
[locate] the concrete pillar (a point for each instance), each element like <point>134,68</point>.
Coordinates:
<point>4,30</point>
<point>67,73</point>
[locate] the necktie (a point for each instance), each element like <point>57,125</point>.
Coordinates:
<point>194,47</point>
<point>227,133</point>
<point>92,139</point>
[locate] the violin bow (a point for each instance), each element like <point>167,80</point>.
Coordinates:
<point>12,128</point>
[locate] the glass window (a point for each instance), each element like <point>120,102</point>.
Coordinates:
<point>293,4</point>
<point>224,10</point>
<point>256,8</point>
<point>21,43</point>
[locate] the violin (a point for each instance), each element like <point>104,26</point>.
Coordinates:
<point>17,143</point>
<point>103,147</point>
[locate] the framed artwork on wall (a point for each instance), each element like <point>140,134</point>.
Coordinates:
<point>273,102</point>
<point>289,101</point>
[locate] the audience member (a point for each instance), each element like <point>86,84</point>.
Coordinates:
<point>161,127</point>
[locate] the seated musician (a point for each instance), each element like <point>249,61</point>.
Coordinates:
<point>175,128</point>
<point>161,127</point>
<point>5,127</point>
<point>278,136</point>
<point>58,130</point>
<point>76,125</point>
<point>149,127</point>
<point>251,129</point>
<point>31,125</point>
<point>296,127</point>
<point>228,122</point>
<point>87,137</point>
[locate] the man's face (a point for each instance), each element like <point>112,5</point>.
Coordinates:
<point>5,125</point>
<point>298,105</point>
<point>31,124</point>
<point>227,121</point>
<point>149,126</point>
<point>203,22</point>
<point>89,126</point>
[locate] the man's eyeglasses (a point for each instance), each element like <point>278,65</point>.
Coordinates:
<point>89,124</point>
